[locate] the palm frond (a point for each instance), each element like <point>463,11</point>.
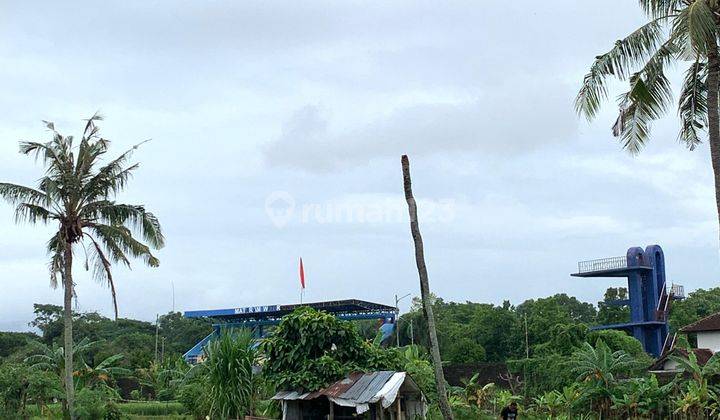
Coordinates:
<point>132,216</point>
<point>619,62</point>
<point>31,213</point>
<point>696,23</point>
<point>56,249</point>
<point>103,273</point>
<point>121,238</point>
<point>91,129</point>
<point>111,244</point>
<point>14,194</point>
<point>106,184</point>
<point>112,177</point>
<point>692,105</point>
<point>658,8</point>
<point>88,154</point>
<point>649,95</point>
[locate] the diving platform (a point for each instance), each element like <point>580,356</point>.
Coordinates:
<point>609,267</point>
<point>649,297</point>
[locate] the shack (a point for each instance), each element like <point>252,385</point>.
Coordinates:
<point>383,395</point>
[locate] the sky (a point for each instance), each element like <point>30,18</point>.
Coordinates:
<point>277,129</point>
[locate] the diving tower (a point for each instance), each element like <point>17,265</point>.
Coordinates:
<point>257,319</point>
<point>649,299</point>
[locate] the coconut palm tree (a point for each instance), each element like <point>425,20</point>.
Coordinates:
<point>677,31</point>
<point>77,194</point>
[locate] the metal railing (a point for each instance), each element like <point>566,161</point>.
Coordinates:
<point>677,290</point>
<point>669,343</point>
<point>602,264</point>
<point>663,305</point>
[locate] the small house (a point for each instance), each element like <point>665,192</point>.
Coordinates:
<point>383,395</point>
<point>666,365</point>
<point>707,331</point>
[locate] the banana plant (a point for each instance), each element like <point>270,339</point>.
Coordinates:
<point>698,396</point>
<point>551,404</point>
<point>102,374</point>
<point>597,369</point>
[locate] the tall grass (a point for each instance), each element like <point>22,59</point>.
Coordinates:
<point>229,374</point>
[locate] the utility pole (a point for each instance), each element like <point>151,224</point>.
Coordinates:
<point>157,334</point>
<point>162,352</point>
<point>527,343</point>
<point>412,335</point>
<point>397,317</point>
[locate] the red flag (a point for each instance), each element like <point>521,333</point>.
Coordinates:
<point>302,274</point>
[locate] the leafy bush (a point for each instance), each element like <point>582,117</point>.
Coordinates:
<point>167,394</point>
<point>13,389</point>
<point>136,395</point>
<point>421,370</point>
<point>542,374</point>
<point>617,340</point>
<point>311,349</point>
<point>465,350</point>
<point>95,405</point>
<point>192,396</point>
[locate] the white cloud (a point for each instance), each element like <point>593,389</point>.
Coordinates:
<point>319,99</point>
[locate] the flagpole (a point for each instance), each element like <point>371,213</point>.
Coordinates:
<point>302,281</point>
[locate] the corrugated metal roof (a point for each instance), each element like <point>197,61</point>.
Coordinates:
<point>367,391</point>
<point>290,395</point>
<point>340,387</point>
<point>358,387</point>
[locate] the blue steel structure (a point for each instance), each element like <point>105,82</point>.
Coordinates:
<point>258,318</point>
<point>649,298</point>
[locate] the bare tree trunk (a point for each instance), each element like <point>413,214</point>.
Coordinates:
<point>68,334</point>
<point>713,117</point>
<point>425,291</point>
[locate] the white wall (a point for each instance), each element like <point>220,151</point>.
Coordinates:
<point>709,340</point>
<point>670,365</point>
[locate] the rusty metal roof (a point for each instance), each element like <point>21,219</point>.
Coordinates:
<point>357,387</point>
<point>341,387</point>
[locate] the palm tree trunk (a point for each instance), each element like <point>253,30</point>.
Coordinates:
<point>68,334</point>
<point>713,117</point>
<point>425,291</point>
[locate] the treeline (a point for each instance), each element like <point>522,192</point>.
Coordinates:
<point>134,339</point>
<point>468,332</point>
<point>546,348</point>
<point>480,332</point>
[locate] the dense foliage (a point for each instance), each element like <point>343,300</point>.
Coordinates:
<point>116,361</point>
<point>310,349</point>
<point>496,333</point>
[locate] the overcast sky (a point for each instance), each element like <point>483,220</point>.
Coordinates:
<point>277,129</point>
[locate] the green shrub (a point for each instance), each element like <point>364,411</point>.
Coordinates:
<point>311,349</point>
<point>167,394</point>
<point>193,397</point>
<point>91,404</point>
<point>136,395</point>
